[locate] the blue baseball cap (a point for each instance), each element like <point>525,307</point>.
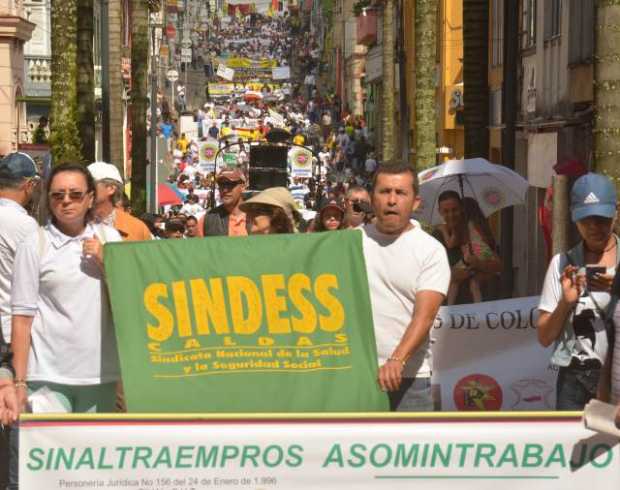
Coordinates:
<point>17,165</point>
<point>592,195</point>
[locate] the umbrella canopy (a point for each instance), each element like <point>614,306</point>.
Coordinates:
<point>168,194</point>
<point>494,187</point>
<point>251,95</point>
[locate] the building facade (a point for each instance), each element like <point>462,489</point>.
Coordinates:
<point>15,31</point>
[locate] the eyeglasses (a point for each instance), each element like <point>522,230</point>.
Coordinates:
<point>227,184</point>
<point>74,196</point>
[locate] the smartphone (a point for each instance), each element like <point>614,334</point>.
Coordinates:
<point>592,270</point>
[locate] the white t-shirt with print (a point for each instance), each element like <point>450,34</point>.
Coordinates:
<point>397,268</point>
<point>589,327</point>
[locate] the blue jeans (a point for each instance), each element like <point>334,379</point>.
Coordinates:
<point>576,387</point>
<point>413,395</point>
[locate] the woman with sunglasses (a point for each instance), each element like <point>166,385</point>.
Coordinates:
<point>63,338</point>
<point>271,212</point>
<point>330,217</point>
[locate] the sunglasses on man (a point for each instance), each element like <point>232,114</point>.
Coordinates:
<point>229,184</point>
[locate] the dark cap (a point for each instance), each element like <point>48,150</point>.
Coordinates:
<point>593,195</point>
<point>336,204</point>
<point>17,165</point>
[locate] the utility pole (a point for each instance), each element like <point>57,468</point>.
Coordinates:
<point>509,119</point>
<point>405,145</point>
<point>152,202</point>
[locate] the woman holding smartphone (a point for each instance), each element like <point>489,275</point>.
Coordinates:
<point>63,339</point>
<point>576,294</point>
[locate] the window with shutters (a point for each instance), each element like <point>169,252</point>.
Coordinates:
<point>581,32</point>
<point>529,24</point>
<point>553,19</point>
<point>497,33</point>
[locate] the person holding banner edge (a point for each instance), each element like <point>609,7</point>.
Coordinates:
<point>576,293</point>
<point>408,276</point>
<point>63,339</point>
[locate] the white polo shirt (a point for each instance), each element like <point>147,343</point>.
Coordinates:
<point>15,225</point>
<point>397,268</point>
<point>73,338</point>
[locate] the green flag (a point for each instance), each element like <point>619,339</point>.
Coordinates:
<point>277,323</point>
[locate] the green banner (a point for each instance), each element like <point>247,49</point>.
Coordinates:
<point>276,323</point>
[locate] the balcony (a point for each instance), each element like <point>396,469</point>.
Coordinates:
<point>367,28</point>
<point>38,75</point>
<point>12,8</point>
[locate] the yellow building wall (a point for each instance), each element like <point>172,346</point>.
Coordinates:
<point>450,48</point>
<point>449,57</point>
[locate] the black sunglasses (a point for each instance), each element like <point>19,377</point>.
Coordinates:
<point>228,184</point>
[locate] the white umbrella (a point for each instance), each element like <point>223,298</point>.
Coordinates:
<point>494,187</point>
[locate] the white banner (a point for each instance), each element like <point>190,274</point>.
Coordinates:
<point>486,356</point>
<point>226,73</point>
<point>186,55</point>
<point>281,73</point>
<point>422,453</point>
<point>206,155</point>
<point>189,127</point>
<point>300,161</point>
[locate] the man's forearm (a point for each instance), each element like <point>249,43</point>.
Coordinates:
<point>427,306</point>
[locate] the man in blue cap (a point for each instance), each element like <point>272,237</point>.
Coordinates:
<point>576,293</point>
<point>19,180</point>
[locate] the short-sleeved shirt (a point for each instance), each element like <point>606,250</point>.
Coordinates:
<point>237,225</point>
<point>398,267</point>
<point>591,343</point>
<point>72,335</point>
<point>16,225</point>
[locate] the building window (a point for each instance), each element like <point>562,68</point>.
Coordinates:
<point>553,19</point>
<point>529,24</point>
<point>581,43</point>
<point>497,33</point>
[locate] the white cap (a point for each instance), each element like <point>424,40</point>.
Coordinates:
<point>103,170</point>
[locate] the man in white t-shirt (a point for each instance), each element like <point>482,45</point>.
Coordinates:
<point>19,180</point>
<point>408,276</point>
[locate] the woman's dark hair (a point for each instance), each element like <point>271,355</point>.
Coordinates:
<point>280,222</point>
<point>77,169</point>
<point>318,221</point>
<point>445,195</point>
<point>474,214</point>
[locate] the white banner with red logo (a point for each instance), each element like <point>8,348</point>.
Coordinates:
<point>305,452</point>
<point>300,160</point>
<point>486,356</point>
<point>208,151</point>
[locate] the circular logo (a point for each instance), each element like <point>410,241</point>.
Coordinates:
<point>493,197</point>
<point>208,152</point>
<point>301,158</point>
<point>477,393</point>
<point>428,175</point>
